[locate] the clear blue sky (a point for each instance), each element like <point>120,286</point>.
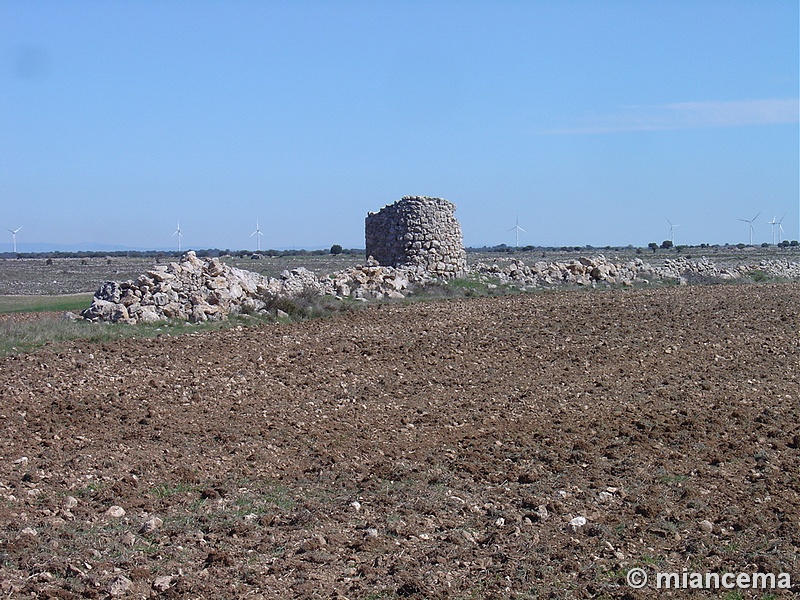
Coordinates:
<point>594,122</point>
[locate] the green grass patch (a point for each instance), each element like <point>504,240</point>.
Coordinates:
<point>166,490</point>
<point>463,287</point>
<point>26,336</point>
<point>26,304</point>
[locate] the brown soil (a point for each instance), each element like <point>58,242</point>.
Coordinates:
<point>434,450</point>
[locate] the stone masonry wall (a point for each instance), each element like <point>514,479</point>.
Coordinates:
<point>418,231</point>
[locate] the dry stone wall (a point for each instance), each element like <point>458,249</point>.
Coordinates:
<point>194,290</point>
<point>417,231</point>
<point>198,290</point>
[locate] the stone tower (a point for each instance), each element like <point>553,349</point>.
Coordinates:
<point>418,231</point>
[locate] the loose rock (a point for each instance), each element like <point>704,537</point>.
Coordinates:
<point>115,512</point>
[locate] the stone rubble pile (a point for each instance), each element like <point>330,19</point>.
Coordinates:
<point>684,269</point>
<point>376,282</point>
<point>192,289</point>
<point>589,271</point>
<point>582,271</point>
<point>784,269</point>
<point>199,290</point>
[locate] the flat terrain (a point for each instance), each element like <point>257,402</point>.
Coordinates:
<point>427,450</point>
<point>34,276</point>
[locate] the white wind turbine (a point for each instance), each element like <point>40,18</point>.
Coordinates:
<point>179,234</point>
<point>773,223</point>
<point>14,237</point>
<point>780,229</point>
<point>671,231</point>
<point>258,235</point>
<point>750,223</point>
<point>516,229</point>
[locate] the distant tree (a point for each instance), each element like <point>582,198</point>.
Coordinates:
<point>653,246</point>
<point>336,249</point>
<point>741,246</point>
<point>666,244</point>
<point>765,245</point>
<point>784,243</point>
<point>794,244</point>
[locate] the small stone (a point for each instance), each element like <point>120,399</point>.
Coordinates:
<point>356,505</point>
<point>115,512</point>
<point>151,525</point>
<point>372,533</point>
<point>70,502</point>
<point>706,526</point>
<point>128,539</point>
<point>576,523</point>
<point>29,531</point>
<point>119,586</point>
<point>162,583</point>
<point>500,522</point>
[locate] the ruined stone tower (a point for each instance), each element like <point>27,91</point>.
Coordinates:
<point>417,230</point>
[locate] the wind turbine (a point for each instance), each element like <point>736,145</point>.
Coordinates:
<point>773,223</point>
<point>780,229</point>
<point>14,237</point>
<point>258,235</point>
<point>671,231</point>
<point>516,229</point>
<point>750,222</point>
<point>179,234</point>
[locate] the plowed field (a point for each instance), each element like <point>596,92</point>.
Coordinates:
<point>427,450</point>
